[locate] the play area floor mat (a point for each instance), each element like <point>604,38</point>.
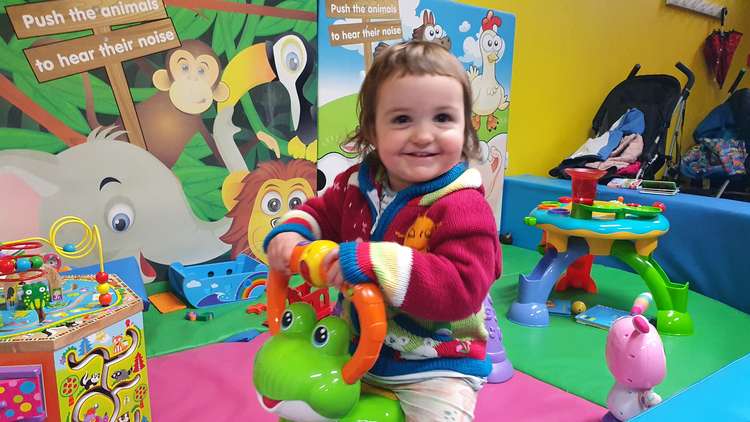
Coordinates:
<point>172,332</point>
<point>570,355</point>
<point>218,380</point>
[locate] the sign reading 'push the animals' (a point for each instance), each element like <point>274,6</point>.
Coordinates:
<point>106,48</point>
<point>367,32</point>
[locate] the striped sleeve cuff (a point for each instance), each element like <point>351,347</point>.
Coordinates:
<point>392,265</point>
<point>302,217</point>
<point>355,262</point>
<point>302,229</point>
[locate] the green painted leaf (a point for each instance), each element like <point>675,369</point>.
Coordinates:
<point>308,30</point>
<point>197,208</point>
<point>201,174</point>
<point>251,24</point>
<point>272,25</point>
<point>202,186</point>
<point>228,26</point>
<point>310,89</point>
<point>52,102</point>
<point>207,206</point>
<point>189,24</point>
<point>4,3</point>
<point>197,147</point>
<point>13,61</point>
<point>258,154</point>
<point>14,138</point>
<point>186,161</point>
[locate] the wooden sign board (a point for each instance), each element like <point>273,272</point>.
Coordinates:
<point>78,55</point>
<point>60,16</point>
<point>104,49</point>
<point>362,9</point>
<point>359,33</point>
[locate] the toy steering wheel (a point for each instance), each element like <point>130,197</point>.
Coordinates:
<point>306,260</point>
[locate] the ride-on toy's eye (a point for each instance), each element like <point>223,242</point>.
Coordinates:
<point>320,336</point>
<point>286,320</point>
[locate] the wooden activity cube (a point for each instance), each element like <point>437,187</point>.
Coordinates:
<point>85,362</point>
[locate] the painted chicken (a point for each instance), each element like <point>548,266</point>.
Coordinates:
<point>487,93</point>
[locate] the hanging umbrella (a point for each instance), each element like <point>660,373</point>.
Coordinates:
<point>719,50</point>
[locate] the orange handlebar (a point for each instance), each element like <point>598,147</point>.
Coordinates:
<point>276,291</point>
<point>367,299</point>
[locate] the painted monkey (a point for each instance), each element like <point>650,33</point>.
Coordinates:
<point>188,85</point>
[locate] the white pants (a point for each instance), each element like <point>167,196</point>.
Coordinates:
<point>435,399</point>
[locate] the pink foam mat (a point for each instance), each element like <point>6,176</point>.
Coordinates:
<point>214,383</point>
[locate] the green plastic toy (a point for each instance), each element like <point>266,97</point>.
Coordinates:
<point>298,373</point>
<point>304,372</point>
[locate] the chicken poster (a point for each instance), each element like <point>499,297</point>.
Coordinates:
<point>352,31</point>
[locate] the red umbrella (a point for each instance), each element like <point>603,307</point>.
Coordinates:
<point>719,50</point>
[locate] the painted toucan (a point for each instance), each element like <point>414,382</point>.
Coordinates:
<point>289,59</point>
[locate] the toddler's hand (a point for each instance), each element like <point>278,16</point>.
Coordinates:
<point>280,250</point>
<point>333,269</point>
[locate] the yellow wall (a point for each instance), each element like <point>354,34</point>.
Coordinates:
<point>570,53</point>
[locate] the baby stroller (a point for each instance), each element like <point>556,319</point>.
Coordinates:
<point>718,164</point>
<point>655,98</point>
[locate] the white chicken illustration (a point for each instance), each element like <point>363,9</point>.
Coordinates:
<point>487,93</point>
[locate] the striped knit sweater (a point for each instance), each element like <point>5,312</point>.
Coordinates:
<point>433,251</point>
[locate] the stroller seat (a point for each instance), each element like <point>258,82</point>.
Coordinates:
<point>657,97</point>
<point>718,164</point>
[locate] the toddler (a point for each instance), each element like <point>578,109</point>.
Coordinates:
<point>412,218</point>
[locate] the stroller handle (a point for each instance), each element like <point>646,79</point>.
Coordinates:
<point>737,80</point>
<point>690,77</point>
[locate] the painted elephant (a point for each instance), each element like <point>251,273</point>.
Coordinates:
<point>137,203</point>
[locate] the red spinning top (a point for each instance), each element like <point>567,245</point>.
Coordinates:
<point>105,299</point>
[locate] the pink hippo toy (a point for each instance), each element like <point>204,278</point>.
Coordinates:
<point>635,356</point>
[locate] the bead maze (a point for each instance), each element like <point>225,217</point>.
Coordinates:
<point>75,342</point>
<point>579,227</point>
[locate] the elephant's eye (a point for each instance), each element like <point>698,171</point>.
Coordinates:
<point>286,320</point>
<point>120,218</point>
<point>320,336</point>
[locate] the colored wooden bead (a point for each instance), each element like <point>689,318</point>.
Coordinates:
<point>23,264</point>
<point>36,261</point>
<point>7,266</point>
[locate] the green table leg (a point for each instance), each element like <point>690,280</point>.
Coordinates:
<point>672,317</point>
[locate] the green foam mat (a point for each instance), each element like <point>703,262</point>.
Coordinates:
<point>171,332</point>
<point>571,355</point>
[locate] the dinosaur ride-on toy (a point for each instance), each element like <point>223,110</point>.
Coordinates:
<point>304,372</point>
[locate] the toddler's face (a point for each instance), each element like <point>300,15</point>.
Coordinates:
<point>419,127</point>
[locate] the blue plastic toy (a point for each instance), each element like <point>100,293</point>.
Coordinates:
<point>218,283</point>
